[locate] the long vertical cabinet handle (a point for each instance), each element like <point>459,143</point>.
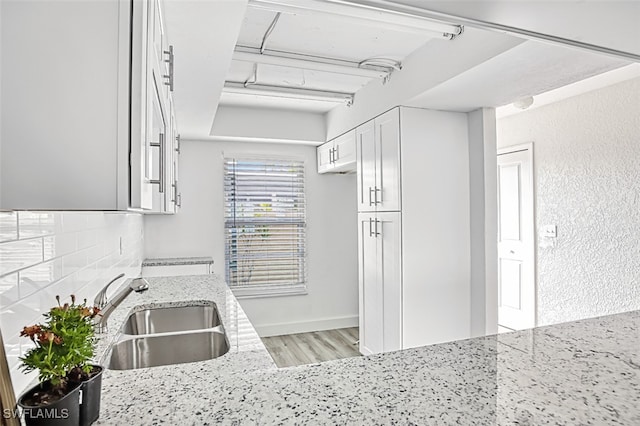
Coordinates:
<point>160,180</point>
<point>169,77</point>
<point>336,154</point>
<point>370,227</point>
<point>377,234</point>
<point>376,197</point>
<point>371,200</point>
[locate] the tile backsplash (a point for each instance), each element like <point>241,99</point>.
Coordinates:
<point>44,254</point>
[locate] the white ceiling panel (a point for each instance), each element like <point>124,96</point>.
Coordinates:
<point>333,36</point>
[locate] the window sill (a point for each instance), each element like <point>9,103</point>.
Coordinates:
<point>269,291</point>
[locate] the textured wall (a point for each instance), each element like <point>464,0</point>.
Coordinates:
<point>44,254</point>
<point>587,170</point>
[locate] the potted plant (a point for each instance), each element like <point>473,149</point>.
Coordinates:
<point>64,346</point>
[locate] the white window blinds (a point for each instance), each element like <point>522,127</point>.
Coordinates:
<point>265,224</point>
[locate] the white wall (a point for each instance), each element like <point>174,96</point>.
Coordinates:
<point>198,230</point>
<point>586,153</point>
<point>269,123</point>
<point>483,223</point>
<point>44,254</point>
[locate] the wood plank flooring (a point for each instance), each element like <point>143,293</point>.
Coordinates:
<point>308,348</point>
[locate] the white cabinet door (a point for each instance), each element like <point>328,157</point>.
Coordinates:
<point>380,281</point>
<point>344,152</point>
<point>366,166</point>
<point>371,292</point>
<point>387,145</point>
<point>389,259</point>
<point>323,154</point>
<point>157,160</point>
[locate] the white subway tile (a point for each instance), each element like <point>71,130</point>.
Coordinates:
<point>9,290</point>
<point>39,276</point>
<point>8,226</point>
<point>19,254</point>
<point>15,317</point>
<point>86,238</point>
<point>59,245</point>
<point>74,262</point>
<point>37,224</point>
<point>75,221</point>
<point>12,349</point>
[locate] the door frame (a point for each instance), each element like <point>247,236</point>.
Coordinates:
<point>530,216</point>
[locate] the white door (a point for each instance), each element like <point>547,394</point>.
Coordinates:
<point>516,280</point>
<point>366,166</point>
<point>323,154</point>
<point>387,187</point>
<point>344,151</point>
<point>371,291</point>
<point>387,231</point>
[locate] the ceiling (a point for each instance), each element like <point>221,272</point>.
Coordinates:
<point>528,69</point>
<point>211,36</point>
<point>269,30</point>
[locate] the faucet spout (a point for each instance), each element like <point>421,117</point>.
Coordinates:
<point>101,298</point>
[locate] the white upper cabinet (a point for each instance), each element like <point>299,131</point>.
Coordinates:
<point>338,155</point>
<point>378,168</point>
<point>80,113</point>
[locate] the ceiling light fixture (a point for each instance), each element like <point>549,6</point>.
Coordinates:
<point>384,14</point>
<point>313,63</point>
<point>285,92</point>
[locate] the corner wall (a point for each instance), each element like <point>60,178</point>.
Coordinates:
<point>332,252</point>
<point>587,182</point>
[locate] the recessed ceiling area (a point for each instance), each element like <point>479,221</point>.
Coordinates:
<point>319,52</point>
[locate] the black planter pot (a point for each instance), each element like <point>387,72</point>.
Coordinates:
<point>91,392</point>
<point>63,412</point>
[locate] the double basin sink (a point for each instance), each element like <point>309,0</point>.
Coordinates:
<point>169,335</point>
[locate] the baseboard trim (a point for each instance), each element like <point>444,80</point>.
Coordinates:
<point>266,330</point>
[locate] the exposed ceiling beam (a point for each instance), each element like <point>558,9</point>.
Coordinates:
<point>384,17</point>
<point>288,92</point>
<point>306,62</point>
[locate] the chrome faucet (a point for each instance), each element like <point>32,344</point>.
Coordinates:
<point>138,285</point>
<point>101,298</point>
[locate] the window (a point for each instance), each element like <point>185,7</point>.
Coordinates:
<point>265,226</point>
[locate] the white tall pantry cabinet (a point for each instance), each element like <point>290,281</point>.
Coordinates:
<point>413,229</point>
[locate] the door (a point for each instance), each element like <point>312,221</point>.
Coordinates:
<point>387,231</point>
<point>387,145</point>
<point>516,280</point>
<point>371,292</point>
<point>323,154</point>
<point>366,166</point>
<point>344,151</point>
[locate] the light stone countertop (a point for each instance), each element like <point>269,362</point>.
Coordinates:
<point>580,373</point>
<point>172,261</point>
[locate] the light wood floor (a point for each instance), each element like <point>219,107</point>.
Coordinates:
<point>308,348</point>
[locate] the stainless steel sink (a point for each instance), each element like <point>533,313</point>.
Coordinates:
<point>178,348</point>
<point>172,319</point>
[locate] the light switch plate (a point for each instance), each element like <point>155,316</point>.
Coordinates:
<point>550,231</point>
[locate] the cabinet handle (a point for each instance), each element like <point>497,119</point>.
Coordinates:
<point>160,181</point>
<point>370,227</point>
<point>336,154</point>
<point>170,62</point>
<point>177,196</point>
<point>178,145</point>
<point>370,199</point>
<point>376,190</point>
<point>377,234</point>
